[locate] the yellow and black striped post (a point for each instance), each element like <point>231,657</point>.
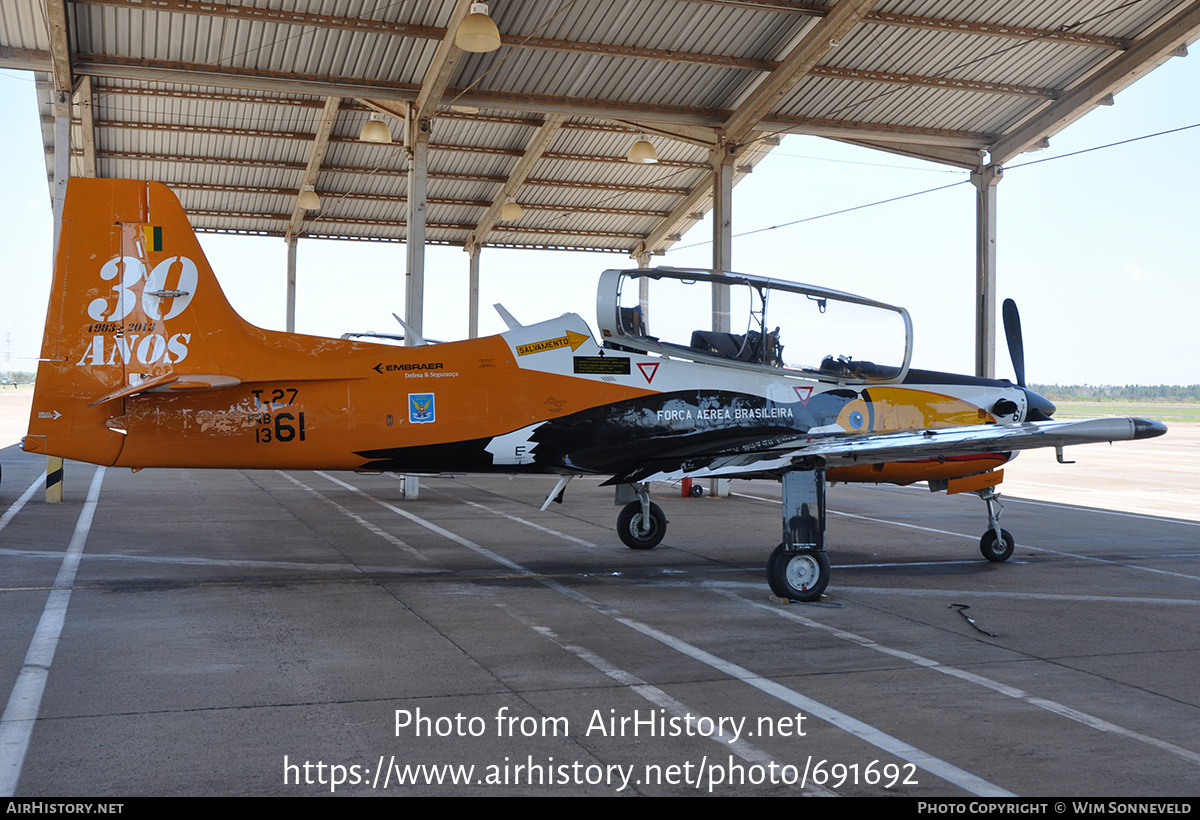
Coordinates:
<point>54,479</point>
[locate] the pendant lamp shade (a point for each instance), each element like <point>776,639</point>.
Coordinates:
<point>642,153</point>
<point>308,199</point>
<point>376,130</point>
<point>477,33</point>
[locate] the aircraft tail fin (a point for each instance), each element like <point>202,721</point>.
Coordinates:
<point>134,306</point>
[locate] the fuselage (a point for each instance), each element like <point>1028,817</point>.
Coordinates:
<point>522,401</point>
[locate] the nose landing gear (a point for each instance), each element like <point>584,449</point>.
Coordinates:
<point>996,544</point>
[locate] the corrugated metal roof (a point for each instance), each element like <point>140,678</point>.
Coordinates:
<point>224,101</point>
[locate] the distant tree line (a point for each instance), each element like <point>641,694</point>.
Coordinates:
<point>1174,393</point>
<point>17,376</point>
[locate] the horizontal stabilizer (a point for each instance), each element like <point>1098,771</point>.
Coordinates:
<point>171,382</point>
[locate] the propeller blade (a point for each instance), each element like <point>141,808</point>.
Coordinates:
<point>1012,331</point>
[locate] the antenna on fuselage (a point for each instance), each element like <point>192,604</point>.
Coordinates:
<point>508,318</point>
<point>417,339</point>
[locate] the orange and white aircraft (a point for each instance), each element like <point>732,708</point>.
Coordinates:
<point>145,364</point>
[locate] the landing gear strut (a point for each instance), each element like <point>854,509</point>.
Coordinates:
<point>996,544</point>
<point>641,524</point>
<point>798,568</point>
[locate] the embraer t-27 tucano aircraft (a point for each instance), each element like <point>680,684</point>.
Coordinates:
<point>145,364</point>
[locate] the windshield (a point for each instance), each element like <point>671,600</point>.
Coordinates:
<point>768,323</point>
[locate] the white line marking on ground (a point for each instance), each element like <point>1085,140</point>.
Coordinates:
<point>16,506</point>
<point>471,545</point>
<point>987,683</point>
<point>881,740</point>
<point>1122,600</point>
<point>358,519</point>
<point>1046,550</point>
<point>20,715</point>
<point>1163,518</point>
<point>194,561</point>
<point>744,750</point>
<point>537,527</point>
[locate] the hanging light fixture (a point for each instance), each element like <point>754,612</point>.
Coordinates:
<point>477,33</point>
<point>308,199</point>
<point>465,109</point>
<point>511,211</point>
<point>642,152</point>
<point>375,130</point>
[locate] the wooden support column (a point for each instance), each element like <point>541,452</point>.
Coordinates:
<point>643,260</point>
<point>290,321</point>
<point>62,172</point>
<point>418,167</point>
<point>985,179</point>
<point>473,294</point>
<point>417,146</point>
<point>724,160</point>
<point>62,159</point>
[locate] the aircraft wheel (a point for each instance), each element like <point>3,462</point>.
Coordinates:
<point>629,525</point>
<point>775,553</point>
<point>696,491</point>
<point>800,576</point>
<point>997,550</point>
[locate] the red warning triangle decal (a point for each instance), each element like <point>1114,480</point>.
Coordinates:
<point>648,370</point>
<point>804,394</point>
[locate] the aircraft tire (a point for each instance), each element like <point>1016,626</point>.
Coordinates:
<point>697,491</point>
<point>994,551</point>
<point>629,524</point>
<point>798,576</point>
<point>775,553</point>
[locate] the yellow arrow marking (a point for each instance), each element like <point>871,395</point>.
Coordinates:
<point>572,340</point>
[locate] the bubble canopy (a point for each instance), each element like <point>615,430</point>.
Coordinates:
<point>773,324</point>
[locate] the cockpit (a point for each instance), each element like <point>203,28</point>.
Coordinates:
<point>764,323</point>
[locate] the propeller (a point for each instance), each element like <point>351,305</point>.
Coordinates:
<point>1040,407</point>
<point>1012,331</point>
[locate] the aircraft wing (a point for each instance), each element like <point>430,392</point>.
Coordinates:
<point>913,445</point>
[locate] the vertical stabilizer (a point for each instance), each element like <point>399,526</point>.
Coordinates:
<point>130,294</point>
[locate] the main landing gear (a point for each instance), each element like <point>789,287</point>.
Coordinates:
<point>996,544</point>
<point>641,524</point>
<point>798,569</point>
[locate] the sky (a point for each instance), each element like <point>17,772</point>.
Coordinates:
<point>1100,249</point>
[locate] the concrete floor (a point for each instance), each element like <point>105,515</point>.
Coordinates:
<point>224,629</point>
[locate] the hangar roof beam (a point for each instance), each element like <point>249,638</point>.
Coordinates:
<point>1147,54</point>
<point>316,156</point>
